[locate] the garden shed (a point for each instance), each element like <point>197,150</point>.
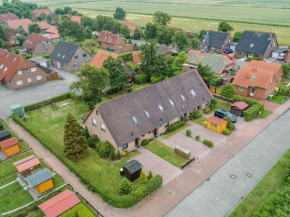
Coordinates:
<point>17,110</point>
<point>10,146</point>
<point>4,134</point>
<point>216,124</point>
<point>1,126</point>
<point>41,180</point>
<point>239,108</point>
<point>27,165</point>
<point>131,170</point>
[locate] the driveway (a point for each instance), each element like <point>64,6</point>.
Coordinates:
<point>269,105</point>
<point>33,94</point>
<point>159,166</point>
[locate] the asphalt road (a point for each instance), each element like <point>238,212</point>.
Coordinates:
<point>225,189</point>
<point>33,94</point>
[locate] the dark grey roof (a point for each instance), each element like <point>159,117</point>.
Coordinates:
<point>254,42</point>
<point>215,39</point>
<point>133,166</point>
<point>63,52</point>
<point>281,50</point>
<point>117,114</point>
<point>39,177</point>
<point>4,133</point>
<point>164,49</point>
<point>1,125</point>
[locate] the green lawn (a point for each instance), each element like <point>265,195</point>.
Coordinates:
<point>165,152</point>
<point>176,131</point>
<point>199,120</point>
<point>283,84</point>
<point>221,104</point>
<point>272,182</point>
<point>278,99</point>
<point>265,113</point>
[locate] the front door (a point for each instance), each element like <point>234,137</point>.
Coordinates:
<point>252,91</point>
<point>155,132</point>
<point>136,142</point>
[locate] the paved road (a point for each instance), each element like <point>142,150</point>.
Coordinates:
<point>33,94</point>
<point>218,196</point>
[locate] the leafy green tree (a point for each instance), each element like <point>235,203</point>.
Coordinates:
<point>91,83</point>
<point>228,91</point>
<point>104,23</point>
<point>93,141</point>
<point>237,36</point>
<point>28,14</point>
<point>178,62</point>
<point>286,70</point>
<point>125,31</point>
<point>164,35</point>
<point>49,19</point>
<point>41,17</point>
<point>3,30</point>
<point>120,14</point>
<point>137,34</point>
<point>67,10</point>
<point>151,31</point>
<point>125,187</point>
<point>161,18</point>
<point>74,143</point>
<point>206,73</point>
<point>20,39</point>
<point>71,29</point>
<point>118,75</point>
<point>3,44</point>
<point>88,22</point>
<point>143,177</point>
<point>34,28</point>
<point>225,27</point>
<point>181,40</point>
<point>90,45</point>
<point>195,44</point>
<point>150,175</point>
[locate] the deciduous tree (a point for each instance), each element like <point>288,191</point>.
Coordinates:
<point>164,35</point>
<point>228,91</point>
<point>120,14</point>
<point>237,36</point>
<point>206,73</point>
<point>151,31</point>
<point>178,62</point>
<point>161,18</point>
<point>225,27</point>
<point>71,29</point>
<point>195,44</point>
<point>181,40</point>
<point>34,28</point>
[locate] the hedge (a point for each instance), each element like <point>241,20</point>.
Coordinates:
<point>253,112</point>
<point>196,114</point>
<point>78,210</point>
<point>128,57</point>
<point>124,201</point>
<point>208,143</point>
<point>173,127</point>
<point>250,102</point>
<point>140,78</point>
<point>46,102</point>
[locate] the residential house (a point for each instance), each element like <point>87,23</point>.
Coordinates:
<point>21,24</point>
<point>53,37</point>
<point>215,41</point>
<point>77,19</point>
<point>260,44</point>
<point>163,49</point>
<point>7,17</point>
<point>46,11</point>
<point>146,113</point>
<point>36,44</point>
<point>69,57</point>
<point>258,79</point>
<point>52,30</point>
<point>43,25</point>
<point>17,72</point>
<point>2,51</point>
<point>11,35</point>
<point>130,26</point>
<point>110,41</point>
<point>219,64</point>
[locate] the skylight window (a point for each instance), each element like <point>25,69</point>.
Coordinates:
<point>192,92</point>
<point>171,102</point>
<point>134,119</point>
<point>252,45</point>
<point>160,107</point>
<point>5,69</point>
<point>254,77</point>
<point>63,56</point>
<point>58,55</point>
<point>182,97</point>
<point>147,114</point>
<point>1,66</point>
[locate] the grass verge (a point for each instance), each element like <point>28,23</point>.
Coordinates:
<point>200,120</point>
<point>176,131</point>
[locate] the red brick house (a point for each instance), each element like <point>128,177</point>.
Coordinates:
<point>11,35</point>
<point>130,25</point>
<point>77,19</point>
<point>258,79</point>
<point>137,57</point>
<point>287,57</point>
<point>52,30</point>
<point>260,44</point>
<point>7,17</point>
<point>17,72</point>
<point>100,57</point>
<point>21,24</point>
<point>215,41</point>
<point>36,44</point>
<point>46,11</point>
<point>110,41</point>
<point>43,25</point>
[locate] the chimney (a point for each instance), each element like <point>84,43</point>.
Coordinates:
<point>186,68</point>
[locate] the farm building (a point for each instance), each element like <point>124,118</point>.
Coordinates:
<point>216,124</point>
<point>131,170</point>
<point>41,180</point>
<point>59,203</point>
<point>1,126</point>
<point>238,108</point>
<point>27,165</point>
<point>4,134</point>
<point>10,146</point>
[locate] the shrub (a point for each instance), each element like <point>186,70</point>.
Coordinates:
<point>104,149</point>
<point>130,89</point>
<point>230,125</point>
<point>125,187</point>
<point>145,142</point>
<point>154,79</point>
<point>213,103</point>
<point>197,137</point>
<point>253,112</point>
<point>206,110</point>
<point>125,153</point>
<point>287,175</point>
<point>93,141</point>
<point>150,175</point>
<point>140,193</point>
<point>140,78</point>
<point>143,177</point>
<point>173,127</point>
<point>208,143</point>
<point>188,133</point>
<point>182,118</point>
<point>112,155</point>
<point>227,131</point>
<point>78,210</point>
<point>127,57</point>
<point>196,114</point>
<point>118,155</point>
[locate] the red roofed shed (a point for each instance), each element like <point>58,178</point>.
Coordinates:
<point>238,108</point>
<point>27,165</point>
<point>59,204</point>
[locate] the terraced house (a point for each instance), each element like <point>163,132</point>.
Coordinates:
<point>146,113</point>
<point>36,44</point>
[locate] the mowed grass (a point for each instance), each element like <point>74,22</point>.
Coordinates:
<point>273,181</point>
<point>166,153</point>
<point>49,127</point>
<point>221,104</point>
<point>176,131</point>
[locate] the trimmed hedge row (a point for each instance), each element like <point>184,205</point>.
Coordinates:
<point>78,210</point>
<point>173,127</point>
<point>253,112</point>
<point>208,143</point>
<point>46,102</point>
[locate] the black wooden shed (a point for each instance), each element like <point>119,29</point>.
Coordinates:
<point>4,134</point>
<point>1,126</point>
<point>238,108</point>
<point>131,170</point>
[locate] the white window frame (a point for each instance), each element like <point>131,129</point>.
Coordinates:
<point>103,127</point>
<point>33,69</point>
<point>38,77</point>
<point>19,72</point>
<point>76,57</point>
<point>75,66</point>
<point>241,89</point>
<point>94,121</point>
<point>29,80</point>
<point>20,82</point>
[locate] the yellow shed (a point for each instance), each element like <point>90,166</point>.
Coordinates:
<point>10,146</point>
<point>41,180</point>
<point>216,124</point>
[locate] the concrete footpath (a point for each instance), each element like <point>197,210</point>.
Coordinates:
<point>168,196</point>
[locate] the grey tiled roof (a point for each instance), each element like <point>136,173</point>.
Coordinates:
<point>4,133</point>
<point>63,52</point>
<point>215,39</point>
<point>164,49</point>
<point>39,177</point>
<point>117,114</point>
<point>133,166</point>
<point>254,42</point>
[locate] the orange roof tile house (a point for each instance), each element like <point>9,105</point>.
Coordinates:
<point>101,56</point>
<point>130,26</point>
<point>27,165</point>
<point>216,124</point>
<point>10,147</point>
<point>109,40</point>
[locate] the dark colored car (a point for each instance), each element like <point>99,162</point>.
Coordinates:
<point>228,50</point>
<point>220,113</point>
